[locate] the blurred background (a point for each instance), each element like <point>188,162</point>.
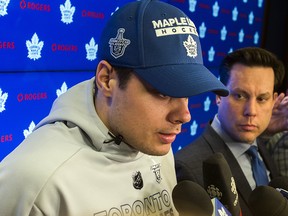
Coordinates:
<point>46,47</point>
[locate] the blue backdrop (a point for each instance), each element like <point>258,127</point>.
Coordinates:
<point>46,47</point>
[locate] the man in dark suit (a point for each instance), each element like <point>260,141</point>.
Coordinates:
<point>252,76</point>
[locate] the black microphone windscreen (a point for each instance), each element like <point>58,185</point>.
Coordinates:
<point>279,182</point>
<point>266,201</point>
<point>190,199</point>
<point>219,182</point>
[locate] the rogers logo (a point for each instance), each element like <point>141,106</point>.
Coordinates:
<point>7,45</point>
<point>6,138</point>
<point>64,47</point>
<point>34,6</point>
<point>92,14</point>
<point>32,96</point>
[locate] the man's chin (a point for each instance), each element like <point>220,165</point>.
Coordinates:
<point>247,140</point>
<point>161,151</point>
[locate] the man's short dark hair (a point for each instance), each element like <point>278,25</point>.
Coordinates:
<point>123,75</point>
<point>252,56</point>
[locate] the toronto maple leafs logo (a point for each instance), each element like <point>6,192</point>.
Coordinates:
<point>62,90</point>
<point>3,7</point>
<point>30,129</point>
<point>193,128</point>
<point>191,46</point>
<point>118,44</point>
<point>3,98</point>
<point>91,50</point>
<point>114,11</point>
<point>67,12</point>
<point>34,47</point>
<point>207,104</point>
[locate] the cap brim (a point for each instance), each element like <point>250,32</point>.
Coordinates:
<point>182,80</point>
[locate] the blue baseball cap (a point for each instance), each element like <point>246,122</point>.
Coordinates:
<point>161,44</point>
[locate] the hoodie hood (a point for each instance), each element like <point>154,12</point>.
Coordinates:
<point>76,107</point>
<point>65,163</point>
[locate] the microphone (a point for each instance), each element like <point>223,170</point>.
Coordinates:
<point>283,192</point>
<point>190,199</point>
<point>266,201</point>
<point>117,139</point>
<point>280,183</point>
<point>219,182</point>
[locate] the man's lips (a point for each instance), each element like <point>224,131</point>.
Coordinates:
<point>167,137</point>
<point>248,127</point>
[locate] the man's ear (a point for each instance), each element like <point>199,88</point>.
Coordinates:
<point>275,95</point>
<point>105,78</point>
<point>218,99</point>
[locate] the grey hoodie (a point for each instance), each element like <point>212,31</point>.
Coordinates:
<point>65,168</point>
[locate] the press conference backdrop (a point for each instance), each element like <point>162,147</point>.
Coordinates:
<point>46,47</point>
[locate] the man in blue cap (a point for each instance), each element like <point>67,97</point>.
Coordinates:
<point>105,147</point>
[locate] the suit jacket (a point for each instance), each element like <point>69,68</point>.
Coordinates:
<point>188,162</point>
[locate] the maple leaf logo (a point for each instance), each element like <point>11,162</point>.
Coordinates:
<point>34,47</point>
<point>67,12</point>
<point>30,129</point>
<point>3,7</point>
<point>191,46</point>
<point>62,90</point>
<point>91,50</point>
<point>3,98</point>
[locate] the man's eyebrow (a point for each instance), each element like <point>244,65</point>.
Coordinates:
<point>266,94</point>
<point>243,91</point>
<point>239,90</point>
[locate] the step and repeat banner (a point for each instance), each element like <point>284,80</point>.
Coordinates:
<point>46,47</point>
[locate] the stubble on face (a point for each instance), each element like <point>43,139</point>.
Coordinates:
<point>139,117</point>
<point>246,112</point>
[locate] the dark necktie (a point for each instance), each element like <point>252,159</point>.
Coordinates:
<point>258,167</point>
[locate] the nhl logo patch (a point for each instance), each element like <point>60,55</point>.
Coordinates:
<point>137,180</point>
